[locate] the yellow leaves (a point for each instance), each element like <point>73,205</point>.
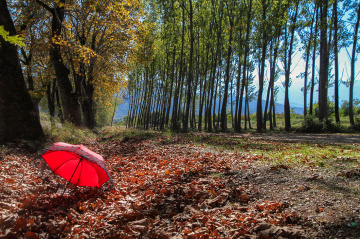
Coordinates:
<point>37,94</point>
<point>68,25</point>
<point>58,3</point>
<point>16,40</point>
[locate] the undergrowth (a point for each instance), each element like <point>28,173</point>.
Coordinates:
<point>313,125</point>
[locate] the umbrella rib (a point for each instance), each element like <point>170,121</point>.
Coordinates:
<point>76,169</point>
<point>71,178</point>
<point>75,158</point>
<point>77,183</point>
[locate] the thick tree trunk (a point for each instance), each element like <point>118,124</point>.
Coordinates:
<point>324,62</point>
<point>88,105</point>
<point>69,98</point>
<point>18,118</point>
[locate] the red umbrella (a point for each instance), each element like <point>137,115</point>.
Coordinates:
<point>77,164</point>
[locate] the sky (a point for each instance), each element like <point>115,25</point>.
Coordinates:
<point>296,96</point>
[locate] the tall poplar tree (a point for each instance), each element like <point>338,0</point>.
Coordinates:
<point>324,61</point>
<point>352,63</point>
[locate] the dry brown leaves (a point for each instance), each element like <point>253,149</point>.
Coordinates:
<point>163,190</point>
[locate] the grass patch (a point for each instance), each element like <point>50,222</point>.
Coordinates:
<point>67,132</point>
<point>118,132</point>
<point>282,153</point>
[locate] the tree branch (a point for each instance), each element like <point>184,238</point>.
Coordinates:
<point>45,6</point>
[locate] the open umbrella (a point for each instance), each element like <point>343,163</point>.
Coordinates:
<point>77,164</point>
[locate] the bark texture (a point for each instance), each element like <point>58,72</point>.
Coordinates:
<point>18,118</point>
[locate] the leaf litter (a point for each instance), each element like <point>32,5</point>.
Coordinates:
<point>169,187</point>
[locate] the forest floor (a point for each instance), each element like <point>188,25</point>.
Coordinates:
<point>195,185</point>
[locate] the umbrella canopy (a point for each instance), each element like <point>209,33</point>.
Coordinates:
<point>77,164</point>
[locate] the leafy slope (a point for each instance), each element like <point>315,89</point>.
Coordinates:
<point>166,187</point>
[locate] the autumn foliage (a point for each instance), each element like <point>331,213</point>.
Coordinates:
<point>165,187</point>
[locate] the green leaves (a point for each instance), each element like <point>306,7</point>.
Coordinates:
<point>16,40</point>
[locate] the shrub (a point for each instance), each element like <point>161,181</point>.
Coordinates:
<point>313,125</point>
<point>68,133</point>
<point>356,126</point>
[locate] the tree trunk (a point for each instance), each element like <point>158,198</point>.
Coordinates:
<point>175,115</point>
<point>271,81</point>
<point>18,118</point>
<point>50,94</point>
<point>262,72</point>
<point>223,123</point>
<point>171,88</point>
<point>312,86</point>
<point>203,89</point>
<point>190,76</point>
<point>69,98</point>
<point>307,58</point>
<point>324,62</point>
<point>287,70</point>
<point>352,75</point>
<point>336,62</point>
<point>247,49</point>
<point>29,78</point>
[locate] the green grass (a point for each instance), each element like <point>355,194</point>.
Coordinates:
<point>118,132</point>
<point>67,132</point>
<point>283,153</point>
<point>312,155</point>
<point>276,153</point>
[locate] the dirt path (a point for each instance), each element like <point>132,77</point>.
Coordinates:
<point>293,137</point>
<point>310,138</point>
<point>328,200</point>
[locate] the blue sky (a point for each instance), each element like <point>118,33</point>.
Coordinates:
<point>298,66</point>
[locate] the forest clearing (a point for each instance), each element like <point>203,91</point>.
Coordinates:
<point>196,67</point>
<point>191,185</point>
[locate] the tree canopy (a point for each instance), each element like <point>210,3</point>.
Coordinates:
<point>183,64</point>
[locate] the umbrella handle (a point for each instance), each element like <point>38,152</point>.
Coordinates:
<point>70,179</point>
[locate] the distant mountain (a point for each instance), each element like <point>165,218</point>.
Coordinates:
<point>279,108</point>
<point>297,96</point>
<point>123,108</point>
<point>296,100</point>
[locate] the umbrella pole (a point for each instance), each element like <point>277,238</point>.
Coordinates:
<point>70,180</point>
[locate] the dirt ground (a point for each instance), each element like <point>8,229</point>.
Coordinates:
<point>329,202</point>
<point>325,200</point>
<point>221,194</point>
<point>311,138</point>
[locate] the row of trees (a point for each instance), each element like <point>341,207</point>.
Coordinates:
<point>207,54</point>
<point>74,57</point>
